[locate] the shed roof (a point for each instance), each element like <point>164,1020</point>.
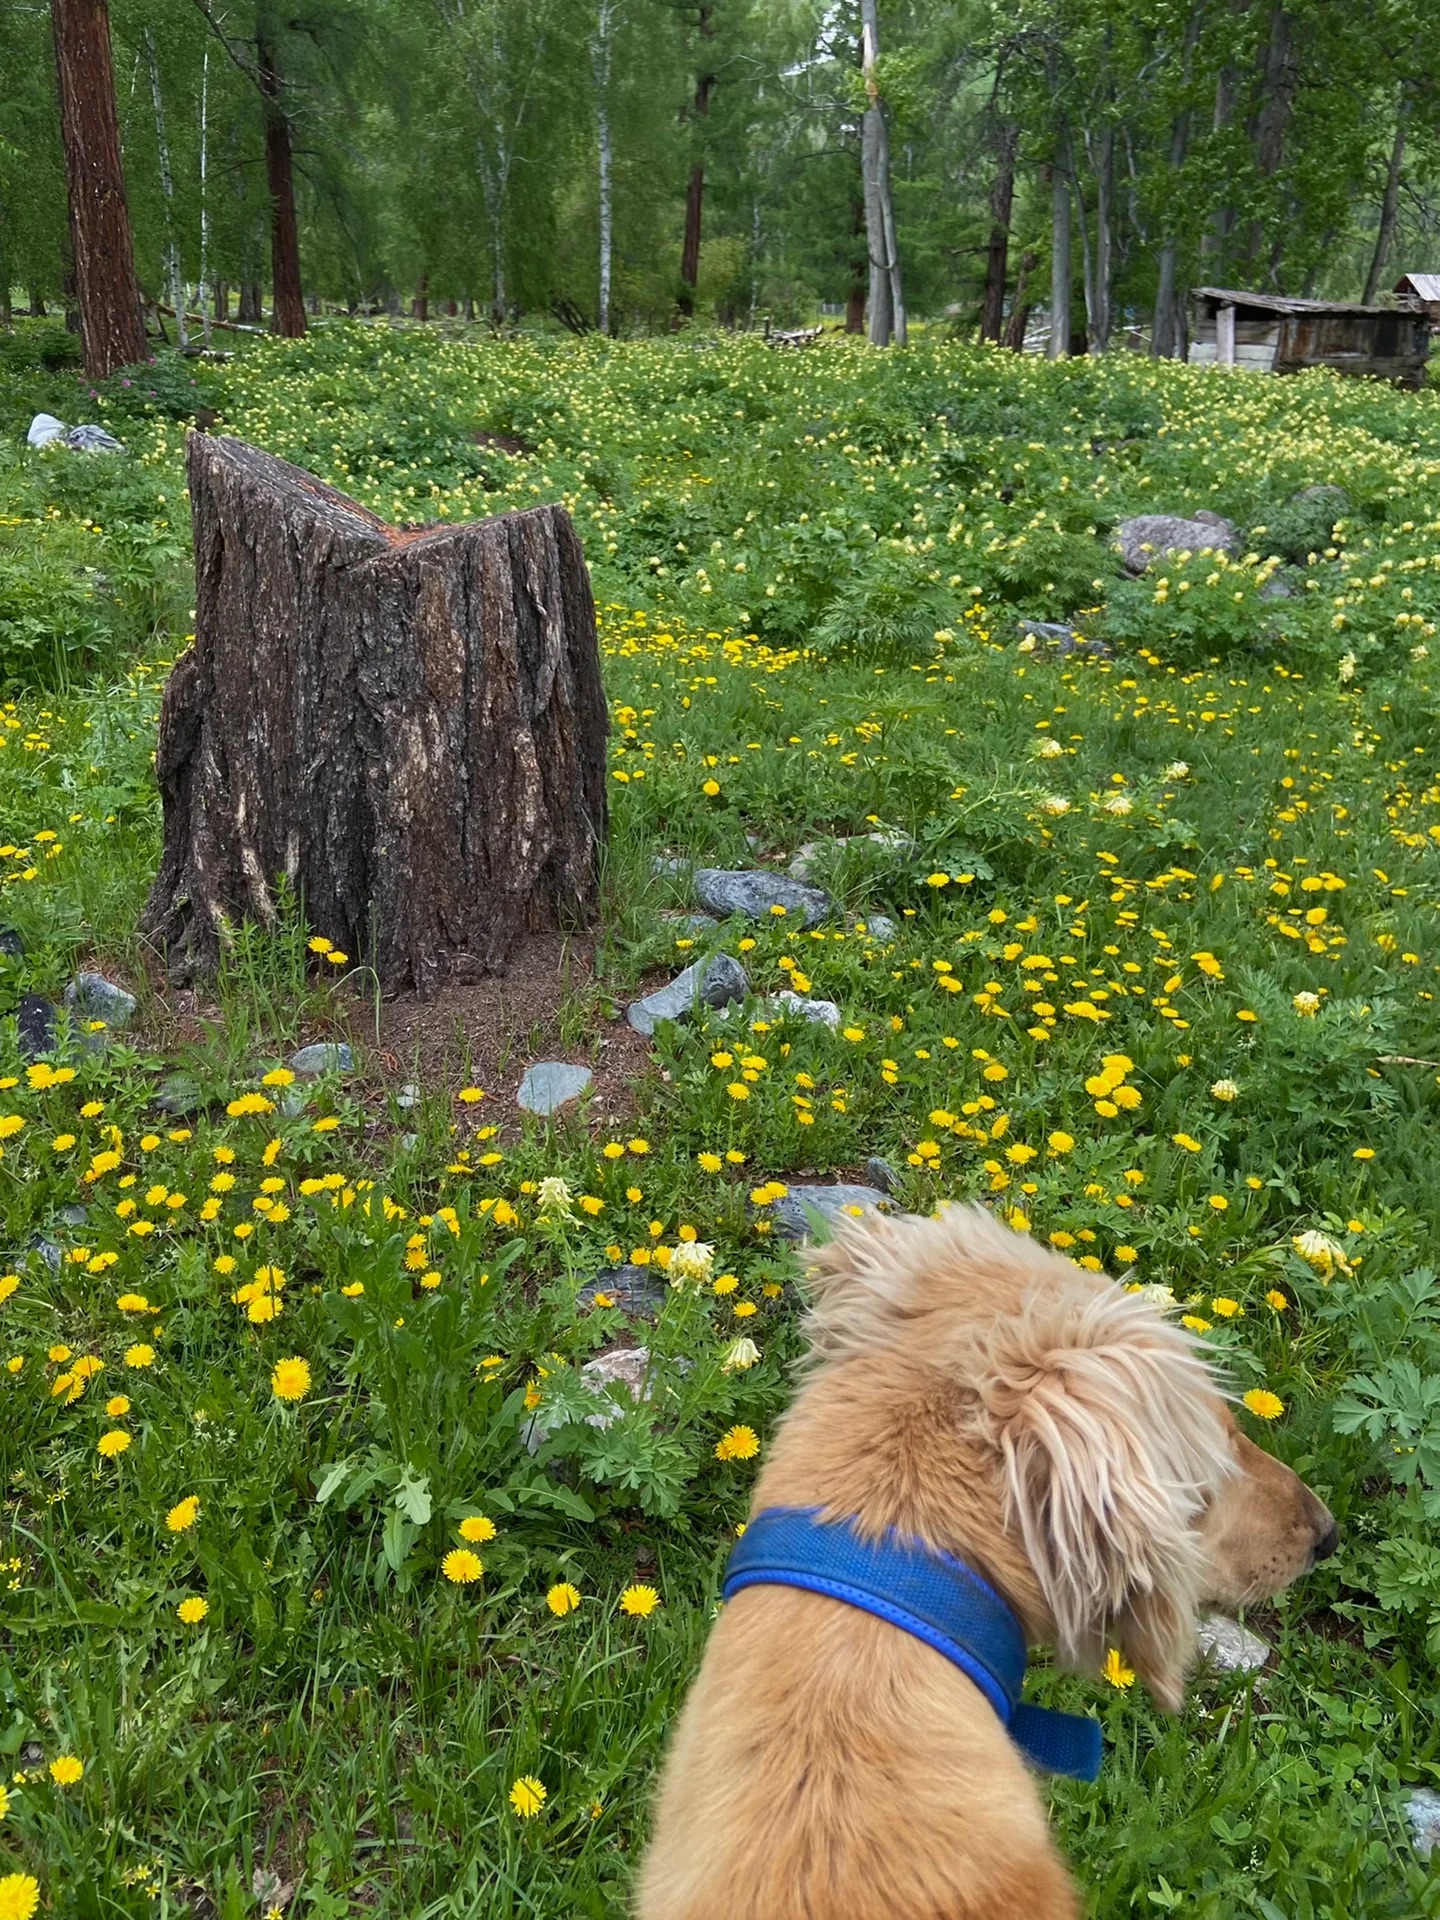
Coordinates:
<point>1284,303</point>
<point>1425,286</point>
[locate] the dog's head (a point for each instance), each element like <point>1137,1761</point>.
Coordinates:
<point>1115,1467</point>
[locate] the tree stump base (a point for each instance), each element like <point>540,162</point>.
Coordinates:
<point>407,726</point>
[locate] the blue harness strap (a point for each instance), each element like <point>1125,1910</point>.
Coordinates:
<point>925,1593</point>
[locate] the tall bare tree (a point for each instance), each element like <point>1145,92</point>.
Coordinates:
<point>112,330</point>
<point>887,298</point>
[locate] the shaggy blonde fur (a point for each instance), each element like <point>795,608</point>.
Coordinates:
<point>983,1395</point>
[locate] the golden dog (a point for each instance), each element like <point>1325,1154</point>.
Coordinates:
<point>983,1396</point>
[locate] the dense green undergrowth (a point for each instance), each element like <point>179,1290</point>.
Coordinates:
<point>1158,985</point>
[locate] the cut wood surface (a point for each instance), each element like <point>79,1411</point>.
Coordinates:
<point>408,725</point>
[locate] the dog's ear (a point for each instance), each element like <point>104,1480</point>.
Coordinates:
<point>863,1286</point>
<point>1110,1429</point>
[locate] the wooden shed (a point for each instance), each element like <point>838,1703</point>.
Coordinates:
<point>1420,292</point>
<point>1279,335</point>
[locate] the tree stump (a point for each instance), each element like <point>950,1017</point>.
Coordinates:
<point>407,725</point>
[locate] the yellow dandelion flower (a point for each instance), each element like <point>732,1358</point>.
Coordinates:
<point>19,1896</point>
<point>527,1796</point>
<point>461,1566</point>
<point>738,1443</point>
<point>639,1601</point>
<point>1263,1404</point>
<point>66,1770</point>
<point>562,1599</point>
<point>113,1443</point>
<point>290,1379</point>
<point>1116,1671</point>
<point>193,1610</point>
<point>477,1527</point>
<point>183,1515</point>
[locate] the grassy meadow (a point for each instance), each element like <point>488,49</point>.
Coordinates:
<point>292,1618</point>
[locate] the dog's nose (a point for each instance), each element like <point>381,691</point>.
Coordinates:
<point>1327,1542</point>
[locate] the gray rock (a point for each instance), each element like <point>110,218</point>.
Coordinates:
<point>48,1252</point>
<point>637,1291</point>
<point>714,983</point>
<point>1151,536</point>
<point>74,1216</point>
<point>1049,639</point>
<point>323,1056</point>
<point>880,927</point>
<point>34,1026</point>
<point>824,1013</point>
<point>755,892</point>
<point>881,1173</point>
<point>408,1096</point>
<point>620,1370</point>
<point>551,1084</point>
<point>179,1094</point>
<point>1335,500</point>
<point>11,945</point>
<point>92,439</point>
<point>669,866</point>
<point>1230,1648</point>
<point>1277,587</point>
<point>811,855</point>
<point>90,996</point>
<point>1422,1810</point>
<point>692,923</point>
<point>44,429</point>
<point>833,1203</point>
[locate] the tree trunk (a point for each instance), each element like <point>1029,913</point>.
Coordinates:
<point>248,308</point>
<point>887,299</point>
<point>997,255</point>
<point>695,188</point>
<point>420,307</point>
<point>1100,316</point>
<point>288,313</point>
<point>173,278</point>
<point>203,288</point>
<point>859,267</point>
<point>1019,306</point>
<point>1389,205</point>
<point>222,301</point>
<point>1059,262</point>
<point>408,727</point>
<point>601,49</point>
<point>1167,331</point>
<point>112,331</point>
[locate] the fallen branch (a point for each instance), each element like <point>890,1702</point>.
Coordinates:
<point>1405,1060</point>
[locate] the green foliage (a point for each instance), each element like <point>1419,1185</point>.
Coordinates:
<point>1211,869</point>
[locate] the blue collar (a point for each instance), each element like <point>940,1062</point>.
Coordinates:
<point>939,1600</point>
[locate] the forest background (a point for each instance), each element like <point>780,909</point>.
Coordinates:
<point>629,163</point>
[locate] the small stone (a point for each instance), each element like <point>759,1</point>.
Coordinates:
<point>755,892</point>
<point>880,927</point>
<point>551,1084</point>
<point>670,866</point>
<point>11,944</point>
<point>832,1202</point>
<point>1048,638</point>
<point>323,1056</point>
<point>1277,587</point>
<point>408,1096</point>
<point>824,1013</point>
<point>74,1216</point>
<point>179,1094</point>
<point>692,923</point>
<point>1230,1648</point>
<point>881,1173</point>
<point>92,997</point>
<point>624,1368</point>
<point>637,1291</point>
<point>48,1252</point>
<point>34,1026</point>
<point>811,854</point>
<point>1150,537</point>
<point>714,983</point>
<point>1422,1810</point>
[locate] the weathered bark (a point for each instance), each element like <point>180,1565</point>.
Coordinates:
<point>695,187</point>
<point>887,298</point>
<point>112,331</point>
<point>248,309</point>
<point>409,726</point>
<point>1167,334</point>
<point>1059,261</point>
<point>602,49</point>
<point>997,254</point>
<point>420,306</point>
<point>288,312</point>
<point>1390,203</point>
